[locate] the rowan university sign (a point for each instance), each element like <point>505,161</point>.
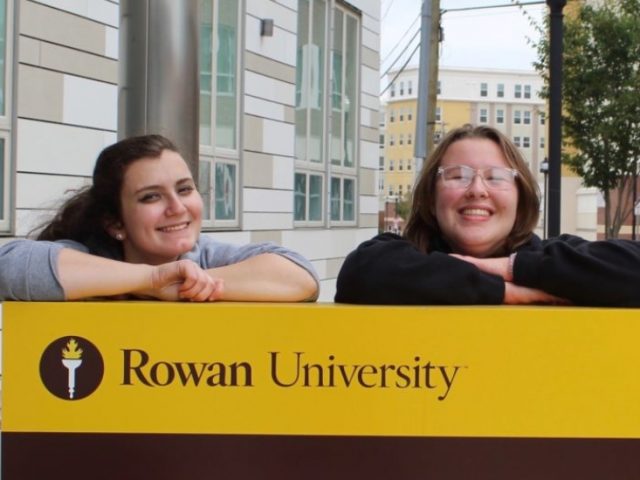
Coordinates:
<point>144,389</point>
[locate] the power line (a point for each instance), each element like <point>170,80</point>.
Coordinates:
<point>401,53</point>
<point>401,69</point>
<point>387,11</point>
<point>502,5</point>
<point>401,38</point>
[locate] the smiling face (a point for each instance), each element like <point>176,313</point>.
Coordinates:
<point>477,220</point>
<point>161,210</point>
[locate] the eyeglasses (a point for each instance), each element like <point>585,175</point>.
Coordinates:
<point>461,176</point>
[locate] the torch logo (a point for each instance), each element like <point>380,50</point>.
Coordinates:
<point>71,368</point>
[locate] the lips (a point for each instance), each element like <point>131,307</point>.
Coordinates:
<point>174,228</point>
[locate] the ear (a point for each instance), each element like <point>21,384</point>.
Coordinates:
<point>116,230</point>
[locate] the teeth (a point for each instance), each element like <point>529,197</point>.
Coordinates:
<point>174,228</point>
<point>478,212</point>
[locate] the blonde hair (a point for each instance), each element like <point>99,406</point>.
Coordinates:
<point>422,224</point>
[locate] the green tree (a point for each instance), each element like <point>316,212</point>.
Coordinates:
<point>601,101</point>
<point>403,207</point>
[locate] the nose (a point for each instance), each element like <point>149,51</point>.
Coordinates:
<point>174,205</point>
<point>477,187</point>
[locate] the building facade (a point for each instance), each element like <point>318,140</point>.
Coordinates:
<point>289,119</point>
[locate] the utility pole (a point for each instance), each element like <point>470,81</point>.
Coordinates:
<point>427,80</point>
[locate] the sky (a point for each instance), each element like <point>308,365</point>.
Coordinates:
<point>487,38</point>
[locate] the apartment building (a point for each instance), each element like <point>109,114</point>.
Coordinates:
<point>289,124</point>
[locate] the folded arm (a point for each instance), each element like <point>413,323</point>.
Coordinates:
<point>267,277</point>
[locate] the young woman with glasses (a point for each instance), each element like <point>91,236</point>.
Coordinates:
<point>469,240</point>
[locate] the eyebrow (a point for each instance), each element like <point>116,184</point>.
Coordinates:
<point>156,187</point>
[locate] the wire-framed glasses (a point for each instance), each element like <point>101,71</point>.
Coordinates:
<point>461,176</point>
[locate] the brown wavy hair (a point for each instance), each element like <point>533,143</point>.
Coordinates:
<point>422,225</point>
<point>85,217</point>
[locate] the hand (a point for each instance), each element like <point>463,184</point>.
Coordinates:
<point>519,295</point>
<point>496,266</point>
<point>184,280</point>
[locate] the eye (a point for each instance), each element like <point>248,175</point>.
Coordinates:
<point>149,197</point>
<point>186,189</point>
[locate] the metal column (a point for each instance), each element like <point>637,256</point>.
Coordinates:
<point>159,77</point>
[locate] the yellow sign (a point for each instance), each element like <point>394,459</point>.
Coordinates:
<point>321,370</point>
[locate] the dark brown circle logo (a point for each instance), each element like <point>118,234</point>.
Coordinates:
<point>71,368</point>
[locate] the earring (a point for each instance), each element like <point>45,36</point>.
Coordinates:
<point>119,237</point>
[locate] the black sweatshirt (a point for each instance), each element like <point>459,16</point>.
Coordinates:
<point>390,270</point>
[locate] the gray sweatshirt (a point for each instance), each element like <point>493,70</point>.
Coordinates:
<point>29,268</point>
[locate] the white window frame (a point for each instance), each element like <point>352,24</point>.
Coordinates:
<point>516,141</point>
<point>6,122</point>
<point>517,117</point>
<point>341,221</point>
<point>526,142</point>
<point>212,154</point>
<point>484,89</point>
<point>500,90</point>
<point>527,91</point>
<point>526,117</point>
<point>483,115</point>
<point>517,91</point>
<point>499,116</point>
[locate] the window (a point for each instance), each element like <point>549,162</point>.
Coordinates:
<point>500,90</point>
<point>310,111</point>
<point>527,91</point>
<point>219,115</point>
<point>517,116</point>
<point>409,114</point>
<point>392,116</point>
<point>391,165</point>
<point>401,88</point>
<point>409,139</point>
<point>392,90</point>
<point>381,184</point>
<point>526,142</point>
<point>381,163</point>
<point>439,87</point>
<point>483,115</point>
<point>401,139</point>
<point>400,165</point>
<point>438,114</point>
<point>541,142</point>
<point>308,197</point>
<point>401,115</point>
<point>390,190</point>
<point>483,89</point>
<point>516,141</point>
<point>400,190</point>
<point>518,91</point>
<point>6,62</point>
<point>409,87</point>
<point>527,117</point>
<point>542,119</point>
<point>327,92</point>
<point>409,164</point>
<point>499,115</point>
<point>382,139</point>
<point>343,199</point>
<point>391,141</point>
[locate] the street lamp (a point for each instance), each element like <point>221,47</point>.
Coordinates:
<point>544,169</point>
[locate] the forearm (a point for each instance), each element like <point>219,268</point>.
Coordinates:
<point>82,275</point>
<point>266,278</point>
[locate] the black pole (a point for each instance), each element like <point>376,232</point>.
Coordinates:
<point>555,114</point>
<point>634,220</point>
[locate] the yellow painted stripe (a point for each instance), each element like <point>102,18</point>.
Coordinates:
<point>415,371</point>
